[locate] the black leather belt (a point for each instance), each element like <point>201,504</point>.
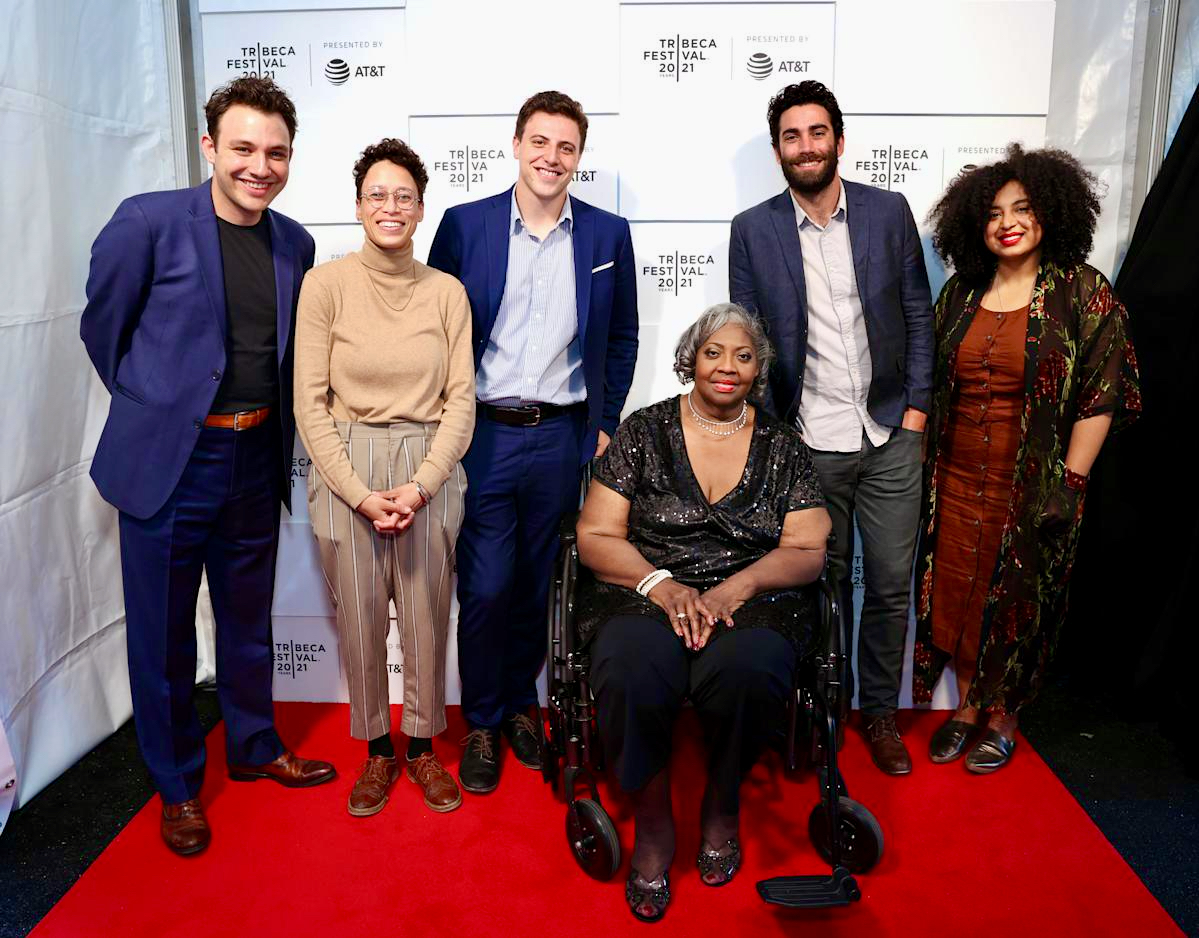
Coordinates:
<point>527,415</point>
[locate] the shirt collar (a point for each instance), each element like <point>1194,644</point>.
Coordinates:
<point>517,224</point>
<point>842,210</point>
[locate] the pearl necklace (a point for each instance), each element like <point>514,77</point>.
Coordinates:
<point>711,425</point>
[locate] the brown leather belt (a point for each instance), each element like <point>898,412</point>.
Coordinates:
<point>528,415</point>
<point>242,420</point>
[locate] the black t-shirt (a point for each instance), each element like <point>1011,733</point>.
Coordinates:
<point>251,378</point>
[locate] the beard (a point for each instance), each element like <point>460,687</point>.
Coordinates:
<point>805,182</point>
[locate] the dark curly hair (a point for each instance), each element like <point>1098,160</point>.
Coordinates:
<point>553,102</point>
<point>1064,200</point>
<point>394,151</point>
<point>806,92</point>
<point>261,94</point>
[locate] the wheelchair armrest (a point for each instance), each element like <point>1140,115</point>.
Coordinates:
<point>832,615</point>
<point>566,529</point>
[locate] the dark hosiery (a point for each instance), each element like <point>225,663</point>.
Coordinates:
<point>381,746</point>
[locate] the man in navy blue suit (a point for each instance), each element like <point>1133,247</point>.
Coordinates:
<point>553,297</point>
<point>191,304</point>
<point>836,271</point>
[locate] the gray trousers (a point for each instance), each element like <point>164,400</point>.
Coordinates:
<point>881,485</point>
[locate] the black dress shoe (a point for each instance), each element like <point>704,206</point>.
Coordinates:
<point>479,771</point>
<point>990,753</point>
<point>950,740</point>
<point>522,736</point>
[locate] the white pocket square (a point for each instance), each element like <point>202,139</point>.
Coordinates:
<point>596,270</point>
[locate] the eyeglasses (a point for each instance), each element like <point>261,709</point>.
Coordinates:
<point>405,199</point>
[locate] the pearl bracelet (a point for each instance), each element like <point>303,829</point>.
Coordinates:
<point>652,579</point>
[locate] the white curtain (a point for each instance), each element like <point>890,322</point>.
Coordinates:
<point>84,122</point>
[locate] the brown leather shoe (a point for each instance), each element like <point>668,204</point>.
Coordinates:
<point>184,827</point>
<point>886,748</point>
<point>289,769</point>
<point>369,794</point>
<point>441,791</point>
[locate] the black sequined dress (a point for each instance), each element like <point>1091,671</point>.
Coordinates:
<point>702,544</point>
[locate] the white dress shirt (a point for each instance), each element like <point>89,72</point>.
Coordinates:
<point>837,369</point>
<point>534,353</point>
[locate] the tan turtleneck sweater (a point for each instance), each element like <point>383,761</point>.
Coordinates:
<point>382,338</point>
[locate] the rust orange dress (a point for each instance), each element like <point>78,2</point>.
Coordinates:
<point>976,465</point>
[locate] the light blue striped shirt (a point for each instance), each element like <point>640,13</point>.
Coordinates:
<point>534,353</point>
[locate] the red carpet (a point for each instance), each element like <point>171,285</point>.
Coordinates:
<point>1009,854</point>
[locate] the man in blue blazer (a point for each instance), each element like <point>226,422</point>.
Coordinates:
<point>836,271</point>
<point>191,304</point>
<point>553,296</point>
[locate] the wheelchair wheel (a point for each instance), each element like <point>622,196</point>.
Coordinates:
<point>592,838</point>
<point>860,835</point>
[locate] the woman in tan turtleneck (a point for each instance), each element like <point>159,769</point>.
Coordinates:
<point>385,404</point>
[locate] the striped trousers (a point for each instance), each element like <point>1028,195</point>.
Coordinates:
<point>364,569</point>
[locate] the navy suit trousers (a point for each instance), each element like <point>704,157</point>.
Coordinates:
<point>223,516</point>
<point>520,481</point>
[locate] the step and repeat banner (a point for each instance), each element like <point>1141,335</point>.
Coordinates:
<point>678,144</point>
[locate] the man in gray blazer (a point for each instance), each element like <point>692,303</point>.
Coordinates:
<point>836,272</point>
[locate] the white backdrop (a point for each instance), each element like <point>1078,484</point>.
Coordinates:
<point>84,122</point>
<point>678,142</point>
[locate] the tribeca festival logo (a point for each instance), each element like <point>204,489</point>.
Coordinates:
<point>889,166</point>
<point>466,166</point>
<point>292,658</point>
<point>339,69</point>
<point>261,60</point>
<point>679,55</point>
<point>677,271</point>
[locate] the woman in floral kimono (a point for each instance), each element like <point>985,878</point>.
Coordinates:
<point>1033,369</point>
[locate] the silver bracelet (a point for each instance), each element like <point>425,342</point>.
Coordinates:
<point>422,492</point>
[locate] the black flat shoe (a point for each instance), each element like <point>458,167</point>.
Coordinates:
<point>639,891</point>
<point>990,753</point>
<point>726,864</point>
<point>950,739</point>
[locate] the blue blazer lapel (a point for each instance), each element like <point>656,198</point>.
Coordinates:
<point>782,214</point>
<point>497,217</point>
<point>859,236</point>
<point>285,290</point>
<point>583,237</point>
<point>208,250</point>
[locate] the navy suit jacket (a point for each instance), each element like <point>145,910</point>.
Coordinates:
<point>154,327</point>
<point>472,244</point>
<point>766,276</point>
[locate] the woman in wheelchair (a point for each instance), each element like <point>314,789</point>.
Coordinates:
<point>703,522</point>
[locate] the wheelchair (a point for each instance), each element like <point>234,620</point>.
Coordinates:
<point>843,831</point>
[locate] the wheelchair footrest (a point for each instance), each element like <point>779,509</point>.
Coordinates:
<point>811,892</point>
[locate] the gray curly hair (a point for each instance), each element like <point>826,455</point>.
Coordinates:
<point>712,320</point>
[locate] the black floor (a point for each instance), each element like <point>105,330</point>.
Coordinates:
<point>1127,775</point>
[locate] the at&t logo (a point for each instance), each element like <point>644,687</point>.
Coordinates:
<point>759,66</point>
<point>339,71</point>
